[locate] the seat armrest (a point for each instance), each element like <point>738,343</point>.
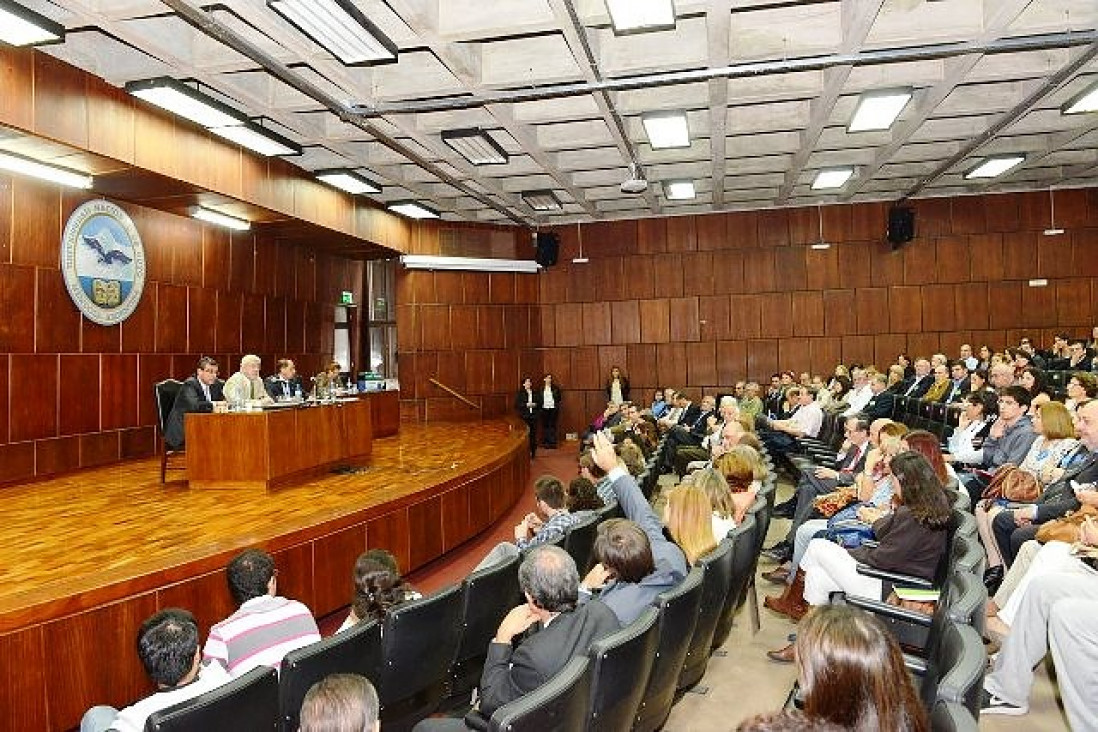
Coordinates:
<point>475,720</point>
<point>893,612</point>
<point>915,665</point>
<point>895,578</point>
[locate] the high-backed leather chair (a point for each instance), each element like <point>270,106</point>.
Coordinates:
<point>356,650</point>
<point>487,596</point>
<point>579,540</point>
<point>246,704</point>
<point>621,662</point>
<point>717,565</point>
<point>678,616</point>
<point>165,393</point>
<point>558,705</point>
<point>744,558</point>
<point>419,640</point>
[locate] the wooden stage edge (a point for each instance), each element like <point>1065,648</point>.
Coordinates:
<point>89,556</point>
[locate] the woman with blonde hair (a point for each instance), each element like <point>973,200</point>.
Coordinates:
<point>688,517</point>
<point>731,488</point>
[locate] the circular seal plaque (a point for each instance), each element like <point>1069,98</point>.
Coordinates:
<point>103,262</point>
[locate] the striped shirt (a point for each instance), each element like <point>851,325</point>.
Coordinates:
<point>551,530</point>
<point>260,633</point>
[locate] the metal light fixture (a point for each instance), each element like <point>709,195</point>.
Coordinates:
<point>1086,101</point>
<point>666,129</point>
<point>35,169</point>
<point>413,210</point>
<point>187,102</point>
<point>469,264</point>
<point>542,200</point>
<point>831,178</point>
<point>1053,229</point>
<point>348,180</point>
<point>340,28</point>
<point>679,190</point>
<point>22,27</point>
<point>994,166</point>
<point>821,244</point>
<point>216,217</point>
<point>877,110</point>
<point>640,16</point>
<point>258,139</point>
<point>579,237</point>
<point>476,146</point>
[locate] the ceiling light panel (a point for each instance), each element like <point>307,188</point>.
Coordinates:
<point>349,181</point>
<point>180,99</point>
<point>413,210</point>
<point>832,178</point>
<point>878,110</point>
<point>993,167</point>
<point>679,190</point>
<point>257,139</point>
<point>220,219</point>
<point>639,16</point>
<point>666,129</point>
<point>541,200</point>
<point>339,27</point>
<point>476,146</point>
<point>35,169</point>
<point>1087,101</point>
<point>22,27</point>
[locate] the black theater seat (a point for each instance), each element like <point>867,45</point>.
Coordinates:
<point>246,704</point>
<point>621,663</point>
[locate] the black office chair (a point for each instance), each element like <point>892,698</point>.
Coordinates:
<point>246,704</point>
<point>488,595</point>
<point>718,578</point>
<point>678,617</point>
<point>356,650</point>
<point>165,393</point>
<point>621,662</point>
<point>952,717</point>
<point>579,539</point>
<point>419,640</point>
<point>558,705</point>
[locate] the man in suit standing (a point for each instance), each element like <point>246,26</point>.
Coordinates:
<point>285,384</point>
<point>197,394</point>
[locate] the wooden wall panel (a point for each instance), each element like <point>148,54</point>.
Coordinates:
<point>334,558</point>
<point>839,312</point>
<point>22,703</point>
<point>425,523</point>
<point>60,331</point>
<point>684,319</point>
<point>33,403</point>
<point>17,288</point>
<point>655,321</point>
<point>79,402</point>
<point>625,324</point>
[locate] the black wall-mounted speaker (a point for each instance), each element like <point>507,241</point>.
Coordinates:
<point>547,249</point>
<point>901,226</point>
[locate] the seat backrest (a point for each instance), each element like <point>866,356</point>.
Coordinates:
<point>761,510</point>
<point>489,594</point>
<point>744,557</point>
<point>718,578</point>
<point>558,705</point>
<point>165,393</point>
<point>579,539</point>
<point>419,640</point>
<point>967,555</point>
<point>956,667</point>
<point>678,615</point>
<point>621,662</point>
<point>951,717</point>
<point>246,704</point>
<point>356,650</point>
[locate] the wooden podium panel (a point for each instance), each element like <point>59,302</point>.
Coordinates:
<point>274,447</point>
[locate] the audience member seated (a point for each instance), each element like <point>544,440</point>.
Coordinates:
<point>1081,388</point>
<point>781,436</point>
<point>1000,375</point>
<point>1008,440</point>
<point>632,457</point>
<point>959,382</point>
<point>582,498</point>
<point>198,394</point>
<point>978,412</point>
<point>751,404</point>
<point>688,516</point>
<point>978,381</point>
<point>547,522</point>
<point>557,629</point>
<point>690,430</point>
<point>660,403</point>
<point>378,587</point>
<point>833,397</point>
<point>340,703</point>
<point>1076,360</point>
<point>634,560</point>
<point>851,672</point>
<point>327,381</point>
<point>588,469</point>
<point>265,627</point>
<point>731,489</point>
<point>918,383</point>
<point>1033,380</point>
<point>285,384</point>
<point>245,385</point>
<point>894,381</point>
<point>860,392</point>
<point>167,644</point>
<point>911,540</point>
<point>727,418</point>
<point>941,386</point>
<point>880,404</point>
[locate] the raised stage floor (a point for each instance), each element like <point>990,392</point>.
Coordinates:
<point>87,557</point>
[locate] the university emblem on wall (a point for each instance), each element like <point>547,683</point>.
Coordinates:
<point>103,262</point>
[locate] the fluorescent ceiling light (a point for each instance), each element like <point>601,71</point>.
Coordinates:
<point>832,178</point>
<point>633,16</point>
<point>22,27</point>
<point>544,200</point>
<point>476,146</point>
<point>666,129</point>
<point>1087,101</point>
<point>679,190</point>
<point>339,27</point>
<point>178,98</point>
<point>257,139</point>
<point>214,217</point>
<point>472,264</point>
<point>348,180</point>
<point>994,166</point>
<point>413,210</point>
<point>35,169</point>
<point>879,109</point>
<point>820,246</point>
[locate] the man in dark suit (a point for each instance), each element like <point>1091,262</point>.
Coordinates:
<point>690,430</point>
<point>880,405</point>
<point>961,385</point>
<point>197,394</point>
<point>556,631</point>
<point>285,384</point>
<point>918,384</point>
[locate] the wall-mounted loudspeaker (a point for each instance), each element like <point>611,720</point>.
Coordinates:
<point>901,226</point>
<point>547,248</point>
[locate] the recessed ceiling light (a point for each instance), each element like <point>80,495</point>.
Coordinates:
<point>22,27</point>
<point>832,178</point>
<point>543,200</point>
<point>413,210</point>
<point>348,180</point>
<point>635,16</point>
<point>994,166</point>
<point>1087,101</point>
<point>178,98</point>
<point>678,190</point>
<point>257,139</point>
<point>339,27</point>
<point>220,219</point>
<point>36,169</point>
<point>666,129</point>
<point>877,110</point>
<point>476,146</point>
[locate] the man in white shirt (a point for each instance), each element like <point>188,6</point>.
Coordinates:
<point>860,394</point>
<point>246,385</point>
<point>167,644</point>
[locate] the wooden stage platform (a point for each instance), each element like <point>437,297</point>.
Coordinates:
<point>87,557</point>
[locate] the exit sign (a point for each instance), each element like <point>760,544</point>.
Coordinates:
<point>347,298</point>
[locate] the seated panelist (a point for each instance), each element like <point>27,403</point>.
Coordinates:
<point>327,379</point>
<point>286,383</point>
<point>198,394</point>
<point>245,385</point>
